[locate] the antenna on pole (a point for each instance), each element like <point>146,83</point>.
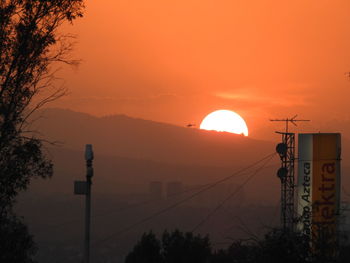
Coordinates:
<point>286,151</point>
<point>292,120</point>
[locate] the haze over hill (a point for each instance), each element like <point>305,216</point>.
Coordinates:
<point>127,176</point>
<point>131,151</point>
<point>129,154</point>
<point>120,135</point>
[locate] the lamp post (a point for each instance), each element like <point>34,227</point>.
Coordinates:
<point>84,188</point>
<point>89,156</point>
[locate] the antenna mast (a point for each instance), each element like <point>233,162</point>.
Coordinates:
<point>286,151</point>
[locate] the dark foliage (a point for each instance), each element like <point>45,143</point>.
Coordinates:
<point>29,44</point>
<point>237,252</point>
<point>148,249</point>
<point>276,246</point>
<point>20,160</point>
<point>16,244</point>
<point>181,247</point>
<point>175,247</point>
<point>279,246</point>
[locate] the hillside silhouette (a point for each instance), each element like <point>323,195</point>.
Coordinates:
<point>124,136</point>
<point>130,153</point>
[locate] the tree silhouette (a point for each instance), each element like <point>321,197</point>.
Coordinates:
<point>148,249</point>
<point>181,247</point>
<point>16,243</point>
<point>237,252</point>
<point>29,45</point>
<point>281,246</point>
<point>175,247</point>
<point>275,246</point>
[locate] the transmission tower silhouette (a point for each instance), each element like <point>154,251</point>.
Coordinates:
<point>286,151</point>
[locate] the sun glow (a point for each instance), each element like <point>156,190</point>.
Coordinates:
<point>225,121</point>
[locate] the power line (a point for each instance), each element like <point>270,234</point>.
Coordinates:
<point>154,200</point>
<point>128,207</point>
<point>146,219</point>
<point>136,205</point>
<point>242,226</point>
<point>210,214</point>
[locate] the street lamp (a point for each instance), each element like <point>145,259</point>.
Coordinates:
<point>84,188</point>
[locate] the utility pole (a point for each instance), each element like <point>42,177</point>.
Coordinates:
<point>89,156</point>
<point>84,188</point>
<point>286,151</point>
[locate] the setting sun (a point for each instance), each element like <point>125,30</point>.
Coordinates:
<point>225,121</point>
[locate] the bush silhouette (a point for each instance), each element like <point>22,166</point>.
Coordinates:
<point>175,247</point>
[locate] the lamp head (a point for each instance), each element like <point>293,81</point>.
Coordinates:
<point>89,154</point>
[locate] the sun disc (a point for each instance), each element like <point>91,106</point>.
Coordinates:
<point>225,121</point>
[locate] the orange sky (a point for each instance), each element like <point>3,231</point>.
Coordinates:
<point>177,60</point>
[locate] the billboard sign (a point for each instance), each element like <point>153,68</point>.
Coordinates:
<point>318,184</point>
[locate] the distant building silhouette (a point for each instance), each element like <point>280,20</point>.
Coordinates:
<point>173,189</point>
<point>156,190</point>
